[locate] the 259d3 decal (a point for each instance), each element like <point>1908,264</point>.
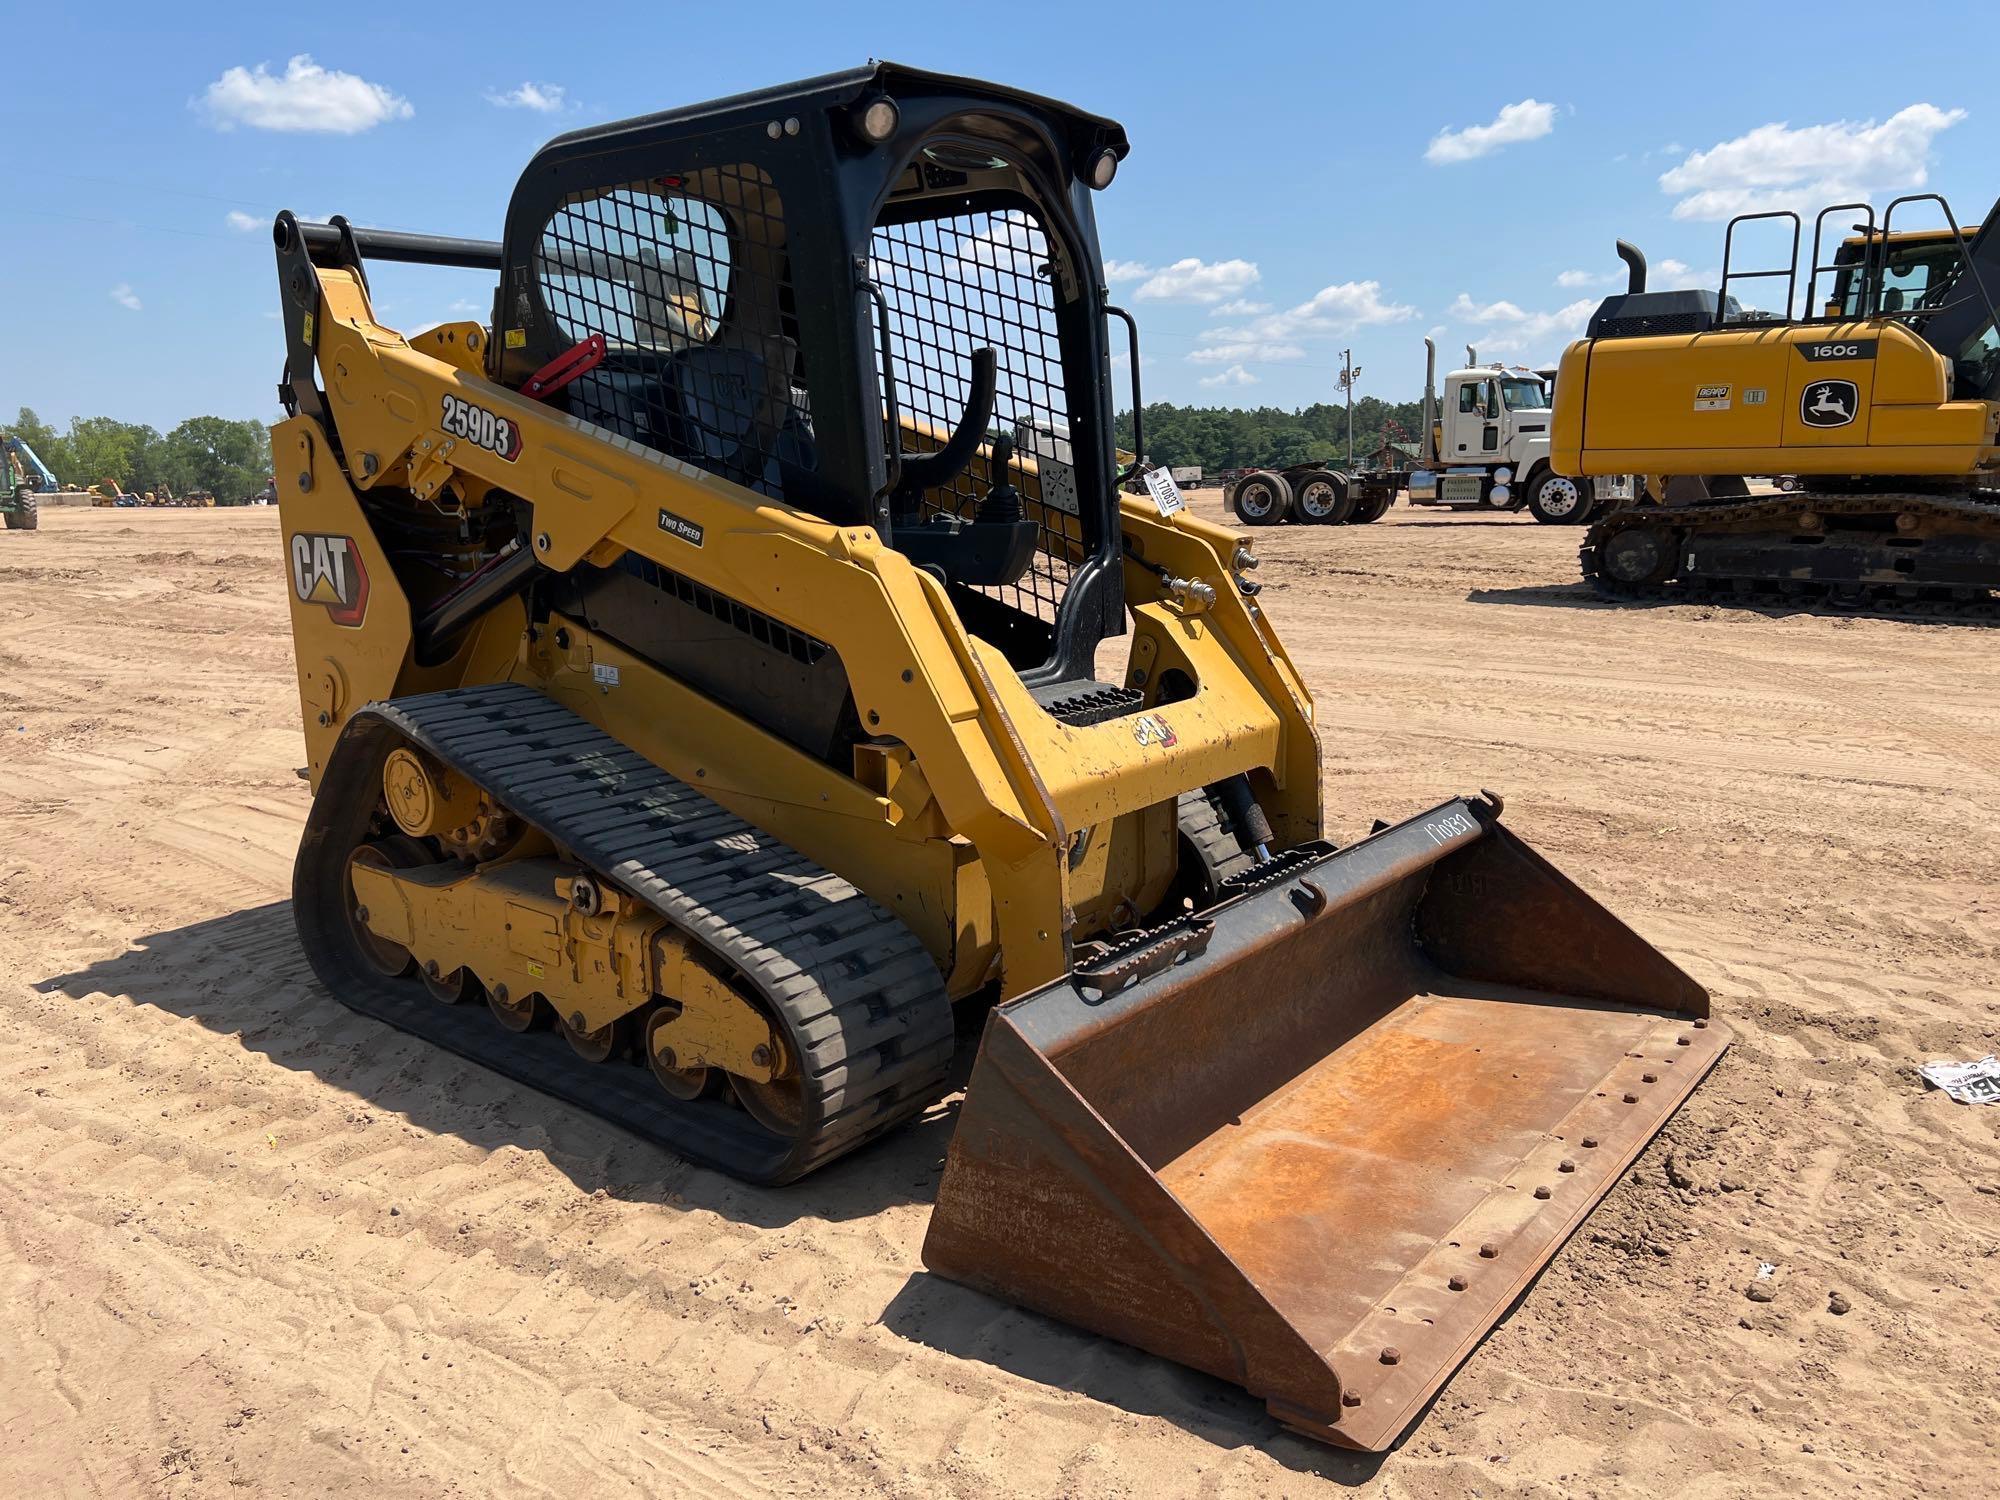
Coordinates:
<point>477,425</point>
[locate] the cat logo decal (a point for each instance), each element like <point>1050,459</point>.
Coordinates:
<point>327,569</point>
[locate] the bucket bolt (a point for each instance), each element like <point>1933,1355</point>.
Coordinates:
<point>1392,1355</point>
<point>1566,1165</point>
<point>1542,1191</point>
<point>1457,1283</point>
<point>1489,1251</point>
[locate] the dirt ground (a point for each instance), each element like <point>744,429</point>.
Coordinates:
<point>252,1243</point>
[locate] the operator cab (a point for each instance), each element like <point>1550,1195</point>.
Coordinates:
<point>874,297</point>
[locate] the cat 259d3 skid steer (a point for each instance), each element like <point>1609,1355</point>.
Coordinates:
<point>699,667</point>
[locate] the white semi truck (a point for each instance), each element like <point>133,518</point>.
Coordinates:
<point>1486,446</point>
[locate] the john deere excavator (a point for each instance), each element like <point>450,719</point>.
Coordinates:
<point>1882,398</point>
<point>700,679</point>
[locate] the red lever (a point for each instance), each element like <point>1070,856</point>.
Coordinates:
<point>565,367</point>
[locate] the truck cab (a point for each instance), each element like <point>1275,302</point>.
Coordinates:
<point>1486,445</point>
<point>1494,415</point>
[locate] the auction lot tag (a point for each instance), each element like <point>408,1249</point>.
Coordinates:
<point>1166,494</point>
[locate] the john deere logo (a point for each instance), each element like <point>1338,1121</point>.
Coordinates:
<point>328,570</point>
<point>1829,403</point>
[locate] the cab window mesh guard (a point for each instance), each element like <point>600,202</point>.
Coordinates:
<point>976,280</point>
<point>685,276</point>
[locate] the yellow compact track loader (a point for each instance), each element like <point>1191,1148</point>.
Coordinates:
<point>700,676</point>
<point>1880,404</point>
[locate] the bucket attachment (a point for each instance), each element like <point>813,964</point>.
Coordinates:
<point>1316,1139</point>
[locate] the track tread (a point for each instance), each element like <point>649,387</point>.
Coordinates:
<point>1981,510</point>
<point>859,995</point>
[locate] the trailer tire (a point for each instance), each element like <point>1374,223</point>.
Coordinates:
<point>1261,499</point>
<point>1557,500</point>
<point>1370,508</point>
<point>1322,497</point>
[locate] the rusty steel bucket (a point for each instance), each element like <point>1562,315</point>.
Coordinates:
<point>1318,1138</point>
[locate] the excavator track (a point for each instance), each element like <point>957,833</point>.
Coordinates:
<point>858,998</point>
<point>1948,568</point>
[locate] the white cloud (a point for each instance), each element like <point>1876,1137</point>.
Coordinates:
<point>125,297</point>
<point>1510,328</point>
<point>1270,351</point>
<point>1672,275</point>
<point>1239,308</point>
<point>241,222</point>
<point>1274,337</point>
<point>305,97</point>
<point>1528,120</point>
<point>543,98</point>
<point>1570,280</point>
<point>1775,166</point>
<point>1234,375</point>
<point>1188,280</point>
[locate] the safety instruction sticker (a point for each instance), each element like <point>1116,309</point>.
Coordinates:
<point>1166,494</point>
<point>1711,398</point>
<point>1755,395</point>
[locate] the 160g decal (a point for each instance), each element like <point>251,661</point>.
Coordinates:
<point>496,434</point>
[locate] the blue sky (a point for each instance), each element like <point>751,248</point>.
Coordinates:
<point>1304,177</point>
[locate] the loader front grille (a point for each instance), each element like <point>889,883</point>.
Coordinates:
<point>973,280</point>
<point>685,277</point>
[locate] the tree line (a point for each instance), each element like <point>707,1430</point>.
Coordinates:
<point>230,458</point>
<point>233,458</point>
<point>1228,437</point>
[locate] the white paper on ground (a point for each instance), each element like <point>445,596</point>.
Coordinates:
<point>1967,1082</point>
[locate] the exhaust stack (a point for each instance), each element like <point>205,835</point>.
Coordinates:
<point>1429,456</point>
<point>1635,267</point>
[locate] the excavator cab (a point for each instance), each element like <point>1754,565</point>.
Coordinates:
<point>699,666</point>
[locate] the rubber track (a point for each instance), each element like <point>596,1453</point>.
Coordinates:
<point>860,998</point>
<point>1789,593</point>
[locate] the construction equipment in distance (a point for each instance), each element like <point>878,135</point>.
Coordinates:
<point>23,479</point>
<point>698,682</point>
<point>1485,447</point>
<point>1881,404</point>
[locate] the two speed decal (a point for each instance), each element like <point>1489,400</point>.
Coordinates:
<point>485,429</point>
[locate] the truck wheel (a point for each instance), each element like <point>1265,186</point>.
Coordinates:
<point>1322,497</point>
<point>26,514</point>
<point>1262,499</point>
<point>1557,500</point>
<point>1370,508</point>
